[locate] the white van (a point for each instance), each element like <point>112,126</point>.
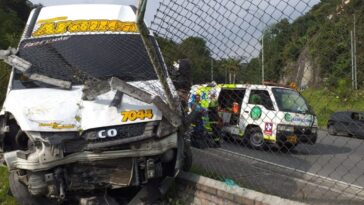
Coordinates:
<point>261,114</point>
<point>85,110</point>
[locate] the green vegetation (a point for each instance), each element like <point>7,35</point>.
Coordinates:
<point>325,102</point>
<point>4,76</point>
<point>204,172</point>
<point>196,50</point>
<point>5,199</point>
<point>13,15</point>
<point>322,36</point>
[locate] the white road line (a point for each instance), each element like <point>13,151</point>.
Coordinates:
<point>292,169</point>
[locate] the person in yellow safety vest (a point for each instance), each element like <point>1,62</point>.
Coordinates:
<point>214,120</point>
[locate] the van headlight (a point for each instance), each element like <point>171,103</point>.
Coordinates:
<point>285,128</point>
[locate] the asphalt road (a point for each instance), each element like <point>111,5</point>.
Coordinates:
<point>329,172</point>
<point>336,157</point>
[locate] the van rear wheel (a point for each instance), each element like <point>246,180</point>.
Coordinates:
<point>256,138</point>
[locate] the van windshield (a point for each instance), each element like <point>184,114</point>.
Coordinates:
<point>357,116</point>
<point>291,101</point>
<point>78,57</point>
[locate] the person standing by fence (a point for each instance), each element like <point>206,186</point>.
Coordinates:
<point>214,120</point>
<point>198,134</point>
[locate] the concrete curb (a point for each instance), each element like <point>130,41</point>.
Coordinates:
<point>219,192</point>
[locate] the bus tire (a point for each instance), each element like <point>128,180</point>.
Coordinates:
<point>22,195</point>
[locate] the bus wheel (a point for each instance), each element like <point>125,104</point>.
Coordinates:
<point>22,194</point>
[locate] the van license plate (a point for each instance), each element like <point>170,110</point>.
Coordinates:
<point>292,139</point>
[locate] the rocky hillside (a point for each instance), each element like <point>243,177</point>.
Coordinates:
<point>315,49</point>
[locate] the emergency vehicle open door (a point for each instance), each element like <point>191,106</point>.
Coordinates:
<point>231,101</point>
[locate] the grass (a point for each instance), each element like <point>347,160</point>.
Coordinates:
<point>325,102</point>
<point>204,172</point>
<point>5,199</point>
<point>4,77</point>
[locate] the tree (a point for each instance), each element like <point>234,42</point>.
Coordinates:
<point>195,49</point>
<point>252,72</point>
<point>232,66</point>
<point>275,40</point>
<point>13,14</point>
<point>170,51</point>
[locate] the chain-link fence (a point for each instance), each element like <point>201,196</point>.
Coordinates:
<point>275,89</point>
<point>278,87</point>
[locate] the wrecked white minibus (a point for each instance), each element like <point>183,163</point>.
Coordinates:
<point>89,105</point>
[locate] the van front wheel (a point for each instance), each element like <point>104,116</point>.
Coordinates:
<point>256,138</point>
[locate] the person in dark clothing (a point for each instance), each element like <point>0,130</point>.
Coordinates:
<point>214,120</point>
<point>181,77</point>
<point>181,74</point>
<point>198,110</point>
<point>198,135</point>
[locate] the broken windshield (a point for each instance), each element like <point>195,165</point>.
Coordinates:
<point>78,58</point>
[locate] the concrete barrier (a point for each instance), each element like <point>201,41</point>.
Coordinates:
<point>199,190</point>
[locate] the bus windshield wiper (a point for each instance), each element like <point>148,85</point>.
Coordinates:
<point>9,56</point>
